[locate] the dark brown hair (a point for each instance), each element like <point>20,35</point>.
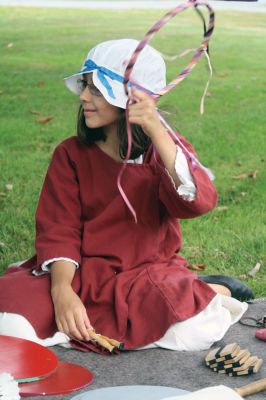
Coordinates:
<point>140,141</point>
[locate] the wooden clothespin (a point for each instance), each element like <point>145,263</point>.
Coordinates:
<point>233,361</point>
<point>110,344</point>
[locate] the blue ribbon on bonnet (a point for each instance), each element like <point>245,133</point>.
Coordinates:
<point>102,72</point>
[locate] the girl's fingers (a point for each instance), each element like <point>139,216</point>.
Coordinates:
<point>139,94</point>
<point>86,320</point>
<point>68,326</point>
<point>65,328</point>
<point>74,331</point>
<point>81,326</point>
<point>143,106</point>
<point>60,326</point>
<point>72,319</point>
<point>139,114</point>
<point>78,324</point>
<point>133,116</point>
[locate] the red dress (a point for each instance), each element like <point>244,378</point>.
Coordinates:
<point>131,278</point>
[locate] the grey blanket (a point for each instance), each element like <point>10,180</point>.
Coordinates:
<point>185,370</point>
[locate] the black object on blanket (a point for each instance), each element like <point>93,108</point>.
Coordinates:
<point>239,290</point>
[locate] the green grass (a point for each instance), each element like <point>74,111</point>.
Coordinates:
<point>49,44</point>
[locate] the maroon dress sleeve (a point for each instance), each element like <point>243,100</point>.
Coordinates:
<point>206,195</point>
<point>58,215</point>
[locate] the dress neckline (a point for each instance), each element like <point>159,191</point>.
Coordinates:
<point>119,163</point>
<point>107,155</point>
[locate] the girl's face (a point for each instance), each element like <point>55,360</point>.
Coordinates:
<point>97,111</point>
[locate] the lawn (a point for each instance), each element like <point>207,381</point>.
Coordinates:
<point>41,46</point>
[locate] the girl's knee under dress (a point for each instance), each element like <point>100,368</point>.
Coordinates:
<point>196,333</point>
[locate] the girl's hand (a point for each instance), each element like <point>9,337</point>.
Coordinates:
<point>144,113</point>
<point>70,313</point>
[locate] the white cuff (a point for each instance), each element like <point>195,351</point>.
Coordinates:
<point>187,190</point>
<point>46,265</point>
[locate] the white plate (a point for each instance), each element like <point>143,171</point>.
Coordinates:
<point>143,392</point>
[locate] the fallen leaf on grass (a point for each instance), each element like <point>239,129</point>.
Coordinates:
<point>222,74</point>
<point>240,177</point>
<point>44,120</point>
<point>9,186</point>
<point>9,45</point>
<point>222,208</point>
<point>2,194</point>
<point>35,112</point>
<point>41,83</point>
<point>254,270</point>
<point>197,267</point>
<point>209,94</point>
<point>252,175</point>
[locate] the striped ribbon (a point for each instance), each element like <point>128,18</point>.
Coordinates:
<point>156,27</point>
<point>202,49</point>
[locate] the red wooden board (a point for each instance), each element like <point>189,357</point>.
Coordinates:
<point>66,379</point>
<point>24,359</point>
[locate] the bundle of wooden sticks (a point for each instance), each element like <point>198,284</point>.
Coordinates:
<point>233,361</point>
<point>110,344</point>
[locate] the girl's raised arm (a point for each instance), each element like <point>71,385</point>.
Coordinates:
<point>144,113</point>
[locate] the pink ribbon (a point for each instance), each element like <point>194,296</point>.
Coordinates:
<point>182,75</point>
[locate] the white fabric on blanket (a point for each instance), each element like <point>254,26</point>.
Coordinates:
<point>205,328</point>
<point>196,333</point>
<point>18,326</point>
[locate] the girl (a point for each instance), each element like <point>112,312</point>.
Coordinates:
<point>95,267</point>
